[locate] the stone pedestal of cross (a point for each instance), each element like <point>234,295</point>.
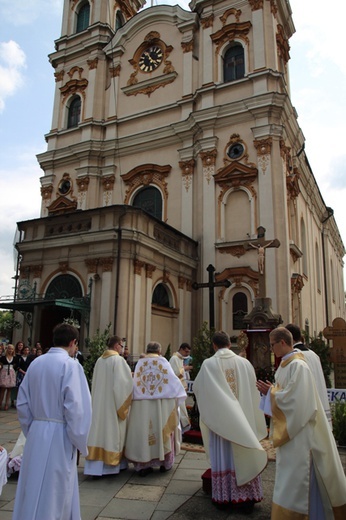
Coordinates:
<point>211,284</point>
<point>337,333</point>
<point>261,244</point>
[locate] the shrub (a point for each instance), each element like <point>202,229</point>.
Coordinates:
<point>96,347</point>
<point>339,422</point>
<point>201,348</point>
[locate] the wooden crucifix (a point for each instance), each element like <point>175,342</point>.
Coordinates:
<point>261,244</point>
<point>211,284</point>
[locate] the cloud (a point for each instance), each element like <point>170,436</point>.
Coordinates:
<point>12,62</point>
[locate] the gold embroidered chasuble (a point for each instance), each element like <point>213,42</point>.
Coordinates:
<point>111,393</point>
<point>301,433</point>
<point>154,413</point>
<point>228,402</point>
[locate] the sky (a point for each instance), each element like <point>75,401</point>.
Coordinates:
<point>27,34</point>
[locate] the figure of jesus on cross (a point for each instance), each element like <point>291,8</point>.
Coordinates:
<point>261,244</point>
<point>261,254</point>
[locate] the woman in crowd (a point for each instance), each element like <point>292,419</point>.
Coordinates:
<point>7,375</point>
<point>23,364</point>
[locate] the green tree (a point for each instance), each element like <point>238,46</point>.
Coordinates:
<point>8,323</point>
<point>201,348</point>
<point>168,354</point>
<point>96,347</point>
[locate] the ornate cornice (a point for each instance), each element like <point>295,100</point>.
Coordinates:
<point>137,266</point>
<point>263,146</point>
<point>149,269</point>
<point>207,21</point>
<point>73,86</point>
<point>187,46</point>
<point>230,32</point>
<point>236,174</point>
<point>46,192</point>
<point>83,183</point>
<point>208,158</point>
<point>108,182</point>
<point>91,264</point>
<point>106,264</point>
<point>282,44</point>
<point>297,283</point>
<point>59,75</point>
<point>292,184</point>
<point>230,12</point>
<point>149,86</point>
<point>114,71</point>
<point>256,4</point>
<point>144,175</point>
<point>93,63</point>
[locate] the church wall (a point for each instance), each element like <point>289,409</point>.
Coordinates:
<point>173,116</point>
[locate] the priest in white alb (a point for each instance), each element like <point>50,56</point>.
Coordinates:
<point>154,434</point>
<point>232,427</point>
<point>177,362</point>
<point>310,481</point>
<point>111,392</point>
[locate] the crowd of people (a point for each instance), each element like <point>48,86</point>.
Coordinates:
<point>136,414</point>
<point>14,362</point>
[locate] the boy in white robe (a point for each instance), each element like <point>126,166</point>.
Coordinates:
<point>310,480</point>
<point>54,411</point>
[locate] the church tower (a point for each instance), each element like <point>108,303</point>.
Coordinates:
<point>174,146</point>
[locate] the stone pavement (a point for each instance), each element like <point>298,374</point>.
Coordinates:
<point>175,495</point>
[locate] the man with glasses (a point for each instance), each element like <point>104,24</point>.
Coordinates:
<point>310,480</point>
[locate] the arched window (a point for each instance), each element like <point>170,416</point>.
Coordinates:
<point>83,17</point>
<point>239,310</point>
<point>233,63</point>
<point>74,112</point>
<point>119,20</point>
<point>149,199</point>
<point>64,286</point>
<point>161,296</point>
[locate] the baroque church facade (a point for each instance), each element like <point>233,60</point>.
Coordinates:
<point>173,144</point>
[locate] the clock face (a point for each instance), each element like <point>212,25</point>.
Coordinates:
<point>236,151</point>
<point>151,58</point>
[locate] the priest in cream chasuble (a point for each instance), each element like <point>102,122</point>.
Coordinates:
<point>154,435</point>
<point>111,392</point>
<point>310,482</point>
<point>231,425</point>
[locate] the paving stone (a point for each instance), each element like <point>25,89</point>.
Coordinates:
<point>129,509</point>
<point>136,492</point>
